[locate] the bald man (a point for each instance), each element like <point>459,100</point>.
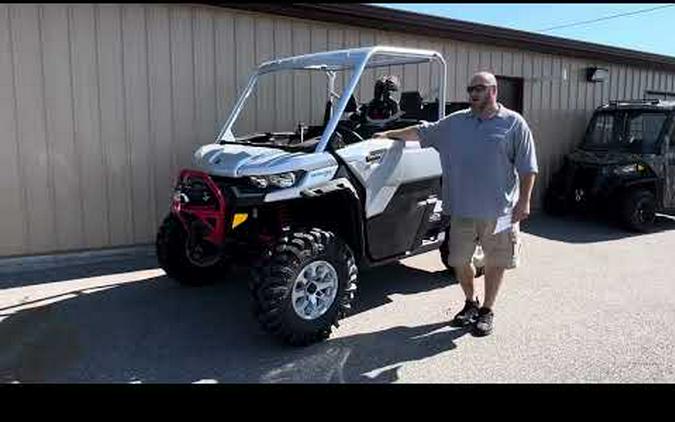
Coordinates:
<point>489,167</point>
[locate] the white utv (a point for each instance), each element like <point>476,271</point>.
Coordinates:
<point>306,208</point>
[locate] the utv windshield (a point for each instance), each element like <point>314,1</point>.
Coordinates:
<point>290,108</point>
<point>632,130</point>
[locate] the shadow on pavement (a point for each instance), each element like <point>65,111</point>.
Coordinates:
<point>154,330</point>
<point>583,229</point>
<point>71,269</point>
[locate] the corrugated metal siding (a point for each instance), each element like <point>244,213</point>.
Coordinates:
<point>101,105</point>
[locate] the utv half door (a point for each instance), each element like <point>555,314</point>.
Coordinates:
<point>402,183</point>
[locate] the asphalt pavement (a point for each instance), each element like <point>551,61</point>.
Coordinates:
<point>590,303</point>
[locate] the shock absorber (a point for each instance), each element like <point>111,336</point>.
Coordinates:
<point>283,215</point>
<point>272,220</point>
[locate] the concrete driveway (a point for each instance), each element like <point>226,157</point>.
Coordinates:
<point>590,304</point>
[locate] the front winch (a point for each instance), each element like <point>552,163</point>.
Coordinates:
<point>198,199</point>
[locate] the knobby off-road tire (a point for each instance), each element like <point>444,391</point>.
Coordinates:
<point>638,210</point>
<point>280,283</point>
<point>445,252</point>
<point>172,258</point>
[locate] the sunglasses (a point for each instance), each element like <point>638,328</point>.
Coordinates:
<point>479,88</point>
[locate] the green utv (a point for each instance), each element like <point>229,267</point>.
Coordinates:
<point>624,168</point>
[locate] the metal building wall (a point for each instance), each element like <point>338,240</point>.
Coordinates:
<point>101,105</point>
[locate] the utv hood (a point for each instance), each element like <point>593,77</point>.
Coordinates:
<point>604,157</point>
<point>233,160</point>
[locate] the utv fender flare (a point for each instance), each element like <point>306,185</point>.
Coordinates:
<point>650,184</point>
<point>337,185</point>
<point>344,187</point>
<point>651,181</point>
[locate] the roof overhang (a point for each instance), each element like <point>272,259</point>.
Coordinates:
<point>381,18</point>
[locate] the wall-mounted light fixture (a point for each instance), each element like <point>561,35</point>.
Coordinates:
<point>596,74</point>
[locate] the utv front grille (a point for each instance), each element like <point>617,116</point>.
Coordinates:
<point>197,200</point>
<point>584,183</point>
<point>197,191</point>
<point>585,177</point>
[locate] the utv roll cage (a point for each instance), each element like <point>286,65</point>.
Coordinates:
<point>356,59</point>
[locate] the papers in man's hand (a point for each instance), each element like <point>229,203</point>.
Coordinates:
<point>504,223</point>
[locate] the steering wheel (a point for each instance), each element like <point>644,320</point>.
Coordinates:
<point>348,134</point>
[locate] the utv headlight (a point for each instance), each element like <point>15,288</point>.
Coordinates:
<point>281,180</point>
<point>259,181</point>
<point>628,169</point>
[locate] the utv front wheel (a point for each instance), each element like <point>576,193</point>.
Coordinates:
<point>638,210</point>
<point>178,260</point>
<point>304,286</point>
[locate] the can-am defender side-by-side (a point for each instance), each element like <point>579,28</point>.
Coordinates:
<point>624,168</point>
<point>306,208</point>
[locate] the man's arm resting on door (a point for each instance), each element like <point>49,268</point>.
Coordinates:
<point>409,133</point>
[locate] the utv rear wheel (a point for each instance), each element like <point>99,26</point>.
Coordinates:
<point>638,210</point>
<point>178,260</point>
<point>477,260</point>
<point>304,285</point>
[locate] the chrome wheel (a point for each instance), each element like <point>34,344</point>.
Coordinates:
<point>314,290</point>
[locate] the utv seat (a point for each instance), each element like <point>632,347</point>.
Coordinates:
<point>411,105</point>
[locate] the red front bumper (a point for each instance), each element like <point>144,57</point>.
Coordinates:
<point>211,216</point>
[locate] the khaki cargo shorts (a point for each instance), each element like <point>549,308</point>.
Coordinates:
<point>501,250</point>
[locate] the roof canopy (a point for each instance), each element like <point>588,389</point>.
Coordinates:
<point>376,56</point>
